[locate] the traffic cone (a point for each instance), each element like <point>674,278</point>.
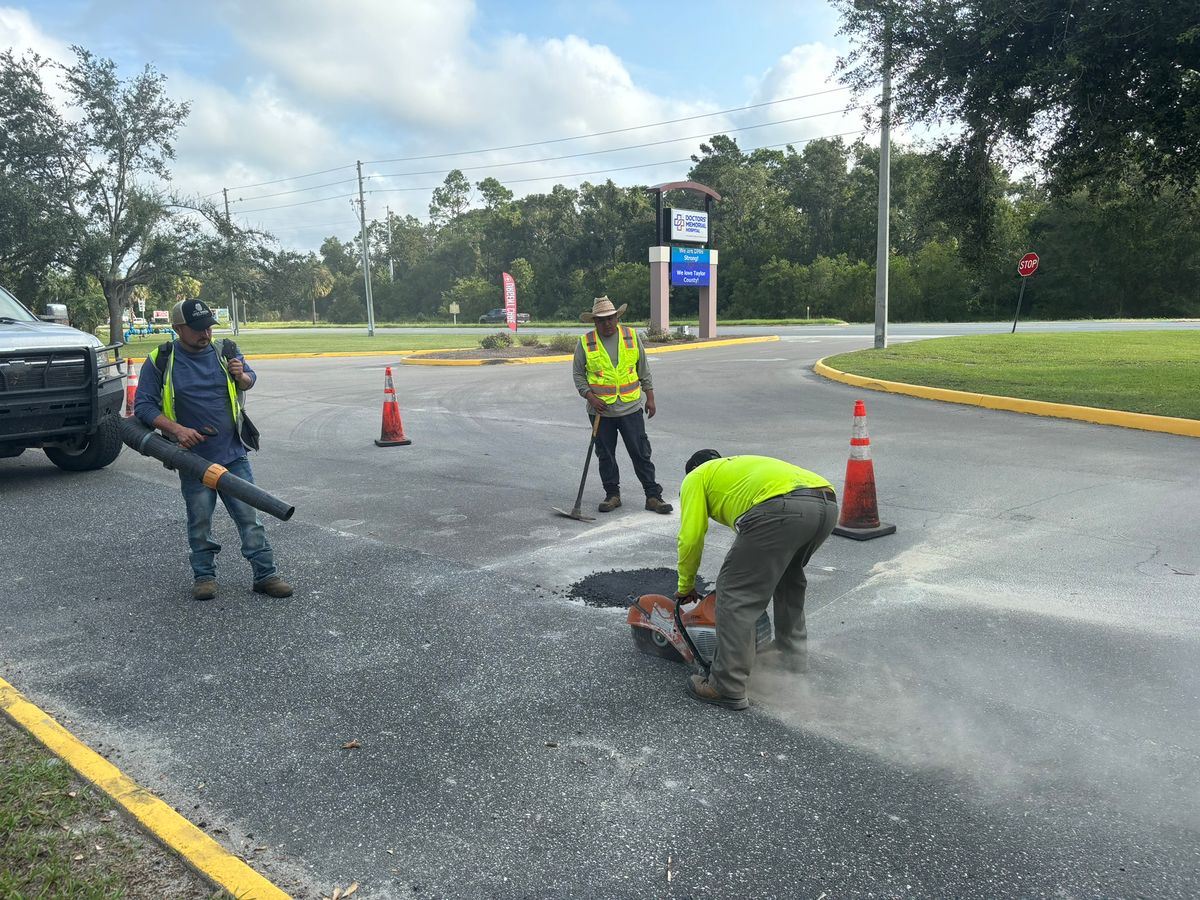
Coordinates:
<point>860,511</point>
<point>392,434</point>
<point>130,388</point>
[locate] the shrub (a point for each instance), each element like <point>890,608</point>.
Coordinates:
<point>656,335</point>
<point>530,340</point>
<point>496,341</point>
<point>563,342</point>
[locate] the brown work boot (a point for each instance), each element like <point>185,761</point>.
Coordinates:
<point>656,504</point>
<point>611,503</point>
<point>204,589</point>
<point>699,688</point>
<point>273,587</point>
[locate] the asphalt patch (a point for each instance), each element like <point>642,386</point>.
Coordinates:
<point>618,587</point>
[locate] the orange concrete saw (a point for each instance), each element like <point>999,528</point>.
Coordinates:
<point>662,627</point>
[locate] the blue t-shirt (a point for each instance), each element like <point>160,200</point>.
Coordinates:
<point>201,393</point>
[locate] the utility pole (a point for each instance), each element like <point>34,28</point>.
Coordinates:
<point>366,256</point>
<point>391,262</point>
<point>233,316</point>
<point>885,174</point>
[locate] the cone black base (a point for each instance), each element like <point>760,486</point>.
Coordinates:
<point>406,441</point>
<point>865,534</point>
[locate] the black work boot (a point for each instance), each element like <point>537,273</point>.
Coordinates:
<point>656,504</point>
<point>611,503</point>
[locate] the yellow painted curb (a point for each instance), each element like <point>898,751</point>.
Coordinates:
<point>1142,421</point>
<point>196,848</point>
<point>412,358</point>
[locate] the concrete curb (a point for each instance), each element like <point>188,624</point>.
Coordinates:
<point>412,359</point>
<point>1142,421</point>
<point>194,847</point>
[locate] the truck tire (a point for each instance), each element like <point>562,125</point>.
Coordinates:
<point>96,452</point>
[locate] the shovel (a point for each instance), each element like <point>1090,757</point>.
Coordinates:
<point>576,513</point>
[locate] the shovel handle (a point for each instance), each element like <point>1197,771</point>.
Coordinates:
<point>587,461</point>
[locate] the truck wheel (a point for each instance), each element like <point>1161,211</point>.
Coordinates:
<point>95,452</point>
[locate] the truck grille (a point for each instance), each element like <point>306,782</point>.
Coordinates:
<point>44,371</point>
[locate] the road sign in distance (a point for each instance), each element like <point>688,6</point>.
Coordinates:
<point>1028,265</point>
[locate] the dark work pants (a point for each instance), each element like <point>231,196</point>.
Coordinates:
<point>775,540</point>
<point>633,431</point>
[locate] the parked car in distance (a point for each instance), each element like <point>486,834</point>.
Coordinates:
<point>497,317</point>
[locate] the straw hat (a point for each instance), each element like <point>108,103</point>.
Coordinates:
<point>602,307</point>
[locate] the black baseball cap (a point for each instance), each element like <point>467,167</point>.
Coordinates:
<point>194,314</point>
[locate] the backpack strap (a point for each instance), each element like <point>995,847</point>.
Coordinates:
<point>163,358</point>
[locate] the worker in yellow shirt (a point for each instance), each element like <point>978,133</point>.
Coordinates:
<point>781,514</point>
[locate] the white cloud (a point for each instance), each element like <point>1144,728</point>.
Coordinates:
<point>18,31</point>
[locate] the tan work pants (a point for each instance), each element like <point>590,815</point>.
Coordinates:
<point>775,540</point>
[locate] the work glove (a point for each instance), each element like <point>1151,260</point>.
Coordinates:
<point>688,596</point>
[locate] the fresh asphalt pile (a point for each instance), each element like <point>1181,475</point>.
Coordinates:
<point>619,587</point>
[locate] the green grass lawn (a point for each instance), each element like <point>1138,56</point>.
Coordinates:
<point>566,326</point>
<point>1148,372</point>
<point>61,838</point>
<point>252,344</point>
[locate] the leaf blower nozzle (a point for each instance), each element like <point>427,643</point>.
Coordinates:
<point>149,442</point>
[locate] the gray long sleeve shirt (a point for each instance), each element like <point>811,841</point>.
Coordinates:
<point>612,346</point>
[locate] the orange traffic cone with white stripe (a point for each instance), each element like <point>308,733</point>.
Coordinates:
<point>392,433</point>
<point>859,518</point>
<point>130,388</point>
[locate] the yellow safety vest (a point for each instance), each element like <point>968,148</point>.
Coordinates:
<point>168,391</point>
<point>606,381</point>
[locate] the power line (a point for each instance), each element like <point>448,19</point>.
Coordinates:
<point>525,162</point>
<point>242,187</point>
<point>577,137</point>
<point>689,137</point>
<point>665,162</point>
<point>580,137</point>
<point>652,165</point>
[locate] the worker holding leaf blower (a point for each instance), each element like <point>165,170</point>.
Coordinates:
<point>781,514</point>
<point>192,391</point>
<point>611,373</point>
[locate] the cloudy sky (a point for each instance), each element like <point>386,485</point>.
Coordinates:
<point>287,95</point>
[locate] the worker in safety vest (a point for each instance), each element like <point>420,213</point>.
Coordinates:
<point>192,393</point>
<point>612,374</point>
<point>781,514</point>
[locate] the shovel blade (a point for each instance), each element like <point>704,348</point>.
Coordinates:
<point>573,514</point>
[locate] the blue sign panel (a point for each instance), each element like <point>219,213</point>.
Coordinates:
<point>688,255</point>
<point>695,275</point>
<point>689,267</point>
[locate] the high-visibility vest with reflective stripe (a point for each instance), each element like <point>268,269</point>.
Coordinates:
<point>168,391</point>
<point>609,382</point>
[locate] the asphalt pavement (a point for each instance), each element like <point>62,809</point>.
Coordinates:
<point>1001,699</point>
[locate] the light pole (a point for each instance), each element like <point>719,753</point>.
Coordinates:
<point>885,175</point>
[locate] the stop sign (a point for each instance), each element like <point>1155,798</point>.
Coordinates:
<point>1028,265</point>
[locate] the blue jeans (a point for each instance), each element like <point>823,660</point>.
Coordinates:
<point>201,501</point>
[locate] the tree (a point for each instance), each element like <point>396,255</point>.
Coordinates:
<point>450,200</point>
<point>1091,91</point>
<point>104,186</point>
<point>33,226</point>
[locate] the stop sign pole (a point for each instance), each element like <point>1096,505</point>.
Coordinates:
<point>1026,267</point>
